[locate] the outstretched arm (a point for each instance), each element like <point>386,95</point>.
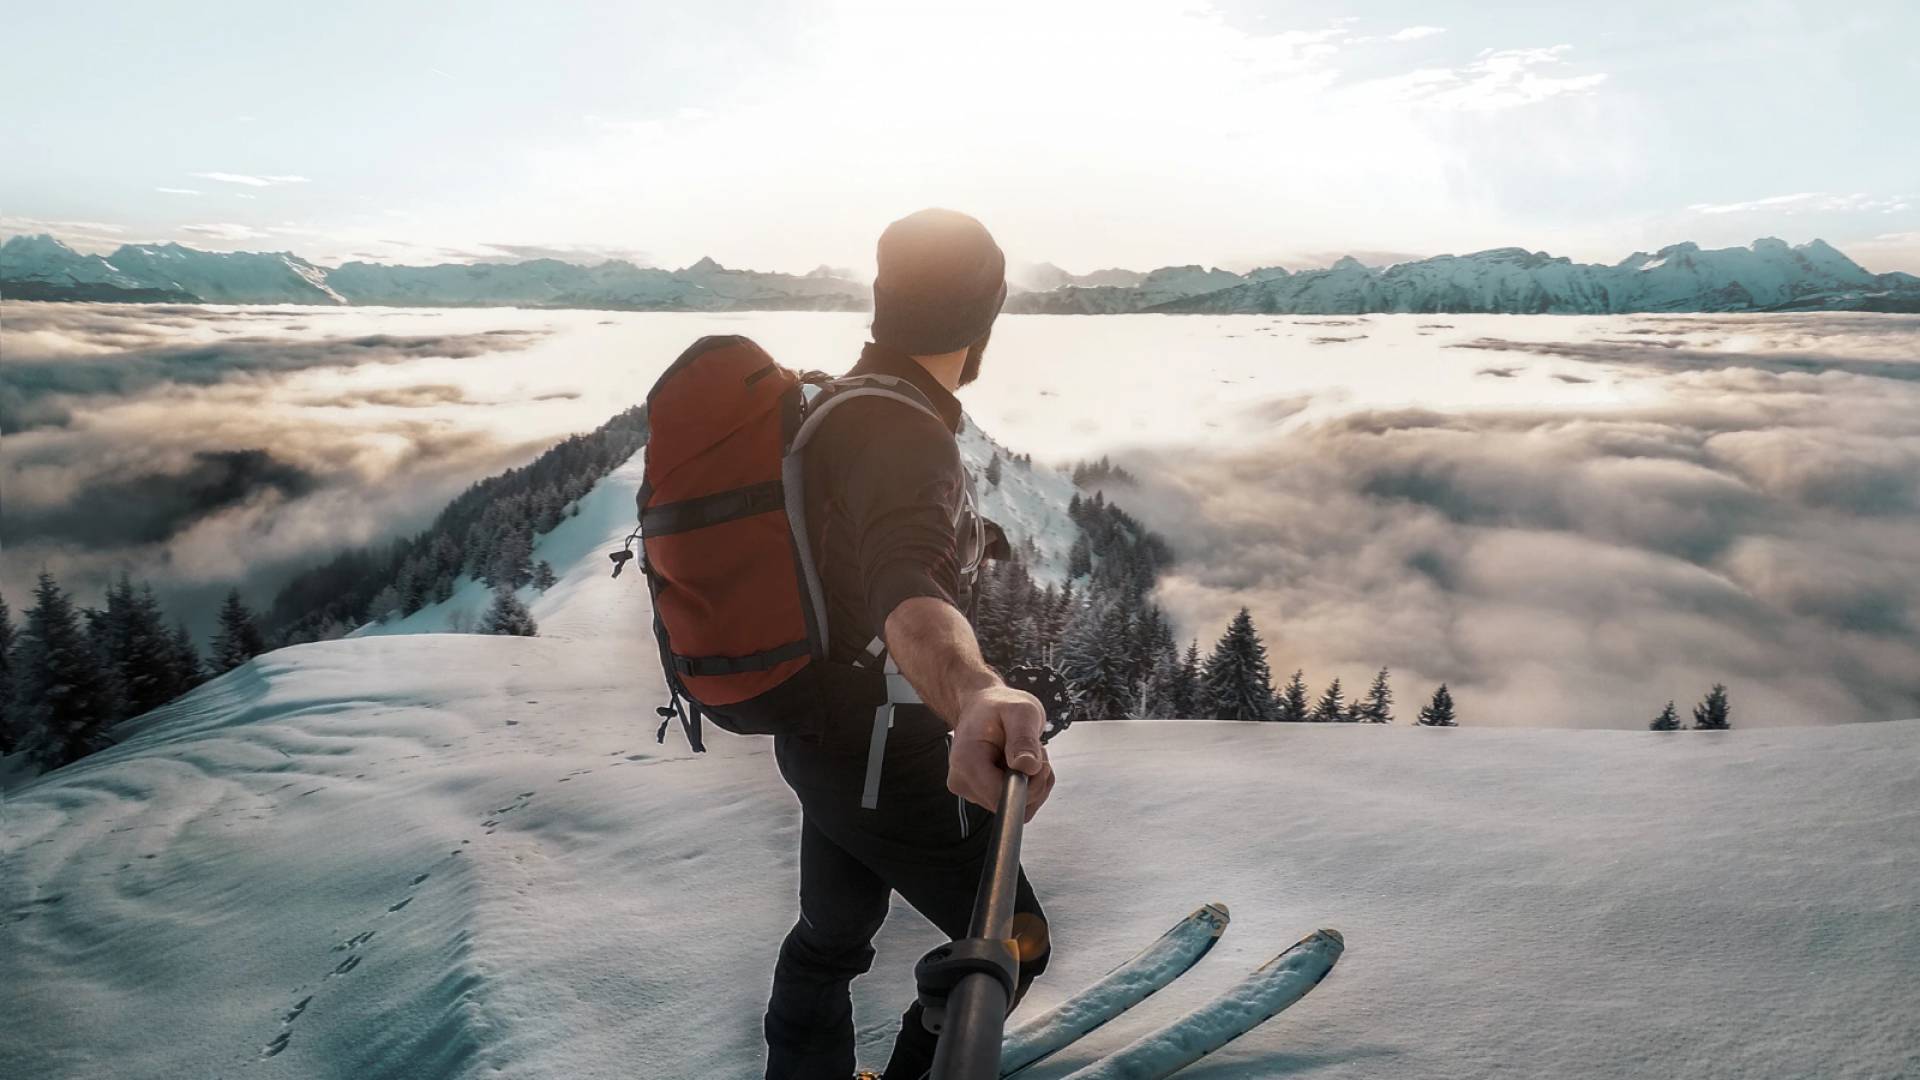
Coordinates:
<point>994,726</point>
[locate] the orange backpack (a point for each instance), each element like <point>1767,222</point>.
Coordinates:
<point>737,604</point>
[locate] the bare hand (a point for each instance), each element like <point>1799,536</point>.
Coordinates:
<point>999,728</point>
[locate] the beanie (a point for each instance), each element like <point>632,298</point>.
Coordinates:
<point>940,285</point>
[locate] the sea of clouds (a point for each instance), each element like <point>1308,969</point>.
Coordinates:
<point>1570,520</point>
<point>1757,522</point>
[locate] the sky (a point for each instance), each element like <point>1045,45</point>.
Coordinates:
<point>1087,133</point>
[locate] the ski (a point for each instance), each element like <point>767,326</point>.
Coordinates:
<point>1278,983</point>
<point>1117,991</point>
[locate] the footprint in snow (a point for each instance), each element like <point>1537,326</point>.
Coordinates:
<point>401,904</point>
<point>347,965</point>
<point>278,1044</point>
<point>298,1008</point>
<point>418,880</point>
<point>355,941</point>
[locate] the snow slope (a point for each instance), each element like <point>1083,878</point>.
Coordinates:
<point>445,855</point>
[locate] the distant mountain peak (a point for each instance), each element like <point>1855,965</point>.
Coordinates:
<point>706,265</point>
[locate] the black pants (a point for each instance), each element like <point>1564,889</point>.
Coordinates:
<point>922,842</point>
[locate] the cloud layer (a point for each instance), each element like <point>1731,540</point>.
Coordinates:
<point>1759,525</point>
<point>197,464</point>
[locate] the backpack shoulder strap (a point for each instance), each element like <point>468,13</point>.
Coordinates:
<point>828,395</point>
<point>834,392</point>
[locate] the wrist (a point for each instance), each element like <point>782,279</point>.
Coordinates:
<point>967,689</point>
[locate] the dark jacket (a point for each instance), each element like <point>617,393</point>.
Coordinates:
<point>886,497</point>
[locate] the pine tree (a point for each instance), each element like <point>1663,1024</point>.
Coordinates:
<point>1183,687</point>
<point>543,576</point>
<point>8,739</point>
<point>512,562</point>
<point>137,649</point>
<point>1151,656</point>
<point>993,470</point>
<point>239,639</point>
<point>62,704</point>
<point>1439,711</point>
<point>1237,684</point>
<point>101,629</point>
<point>1098,663</point>
<point>388,602</point>
<point>1668,720</point>
<point>1080,558</point>
<point>1331,708</point>
<point>1713,713</point>
<point>186,669</point>
<point>1291,704</point>
<point>410,592</point>
<point>508,616</point>
<point>1377,706</point>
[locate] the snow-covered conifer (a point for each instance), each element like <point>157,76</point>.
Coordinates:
<point>1377,706</point>
<point>62,703</point>
<point>1238,684</point>
<point>508,616</point>
<point>386,604</point>
<point>543,576</point>
<point>1713,713</point>
<point>1332,706</point>
<point>239,639</point>
<point>1291,703</point>
<point>185,667</point>
<point>1438,712</point>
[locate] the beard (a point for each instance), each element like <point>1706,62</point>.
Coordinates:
<point>971,369</point>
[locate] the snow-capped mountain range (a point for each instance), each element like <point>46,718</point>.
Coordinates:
<point>1769,275</point>
<point>43,268</point>
<point>1765,276</point>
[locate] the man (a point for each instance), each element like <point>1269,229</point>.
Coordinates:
<point>887,507</point>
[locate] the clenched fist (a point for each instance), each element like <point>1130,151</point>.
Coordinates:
<point>999,729</point>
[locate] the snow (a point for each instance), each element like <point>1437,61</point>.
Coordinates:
<point>439,855</point>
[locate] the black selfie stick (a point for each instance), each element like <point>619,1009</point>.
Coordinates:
<point>967,986</point>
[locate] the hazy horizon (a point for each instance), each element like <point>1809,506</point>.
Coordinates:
<point>1234,133</point>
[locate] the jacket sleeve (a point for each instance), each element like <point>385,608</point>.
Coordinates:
<point>902,489</point>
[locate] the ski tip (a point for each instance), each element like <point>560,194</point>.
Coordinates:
<point>1330,934</point>
<point>1216,913</point>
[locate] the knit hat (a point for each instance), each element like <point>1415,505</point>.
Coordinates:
<point>942,280</point>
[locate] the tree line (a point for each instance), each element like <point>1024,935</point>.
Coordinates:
<point>1115,646</point>
<point>486,533</point>
<point>69,673</point>
<point>1714,713</point>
